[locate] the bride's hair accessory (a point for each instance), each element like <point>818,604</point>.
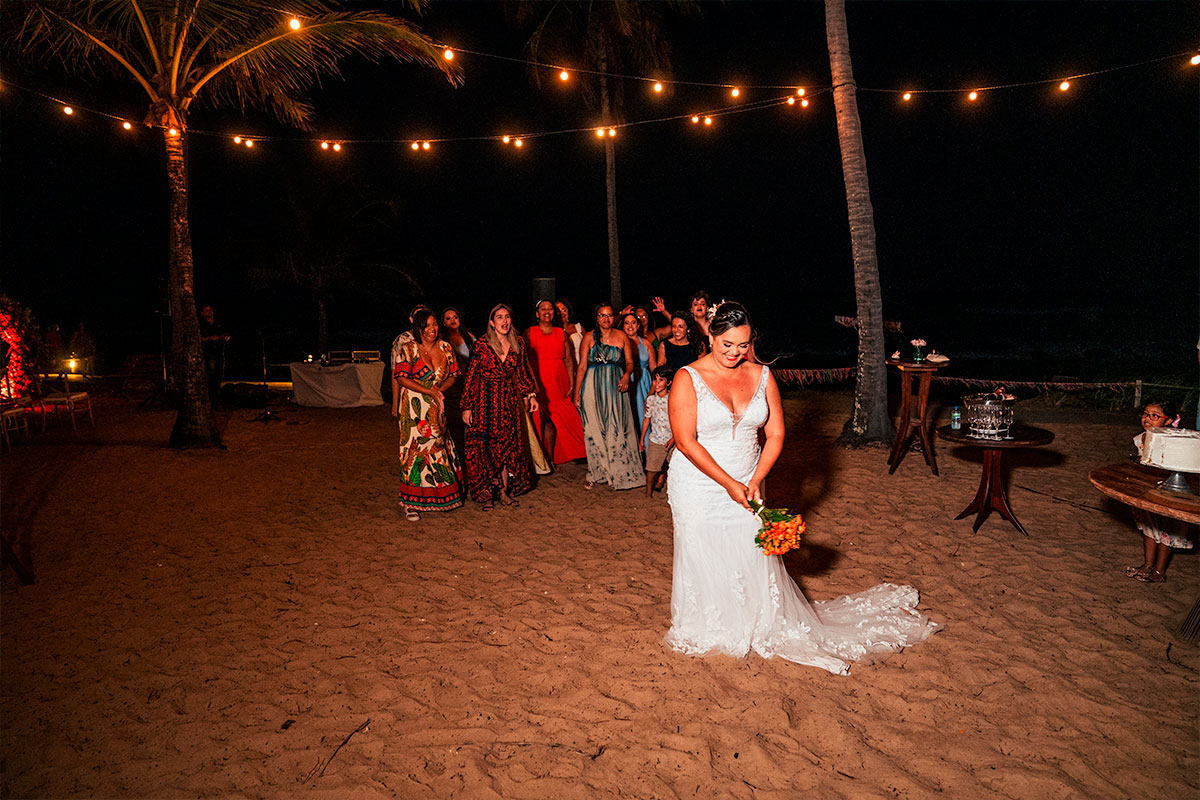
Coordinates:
<point>712,310</point>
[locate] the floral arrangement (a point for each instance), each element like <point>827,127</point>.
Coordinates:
<point>780,530</point>
<point>918,342</point>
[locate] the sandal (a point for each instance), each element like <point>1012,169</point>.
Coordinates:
<point>487,505</point>
<point>1133,572</point>
<point>411,514</point>
<point>1153,576</point>
<point>589,484</point>
<point>509,500</point>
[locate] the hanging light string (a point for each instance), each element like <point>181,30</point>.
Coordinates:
<point>695,116</point>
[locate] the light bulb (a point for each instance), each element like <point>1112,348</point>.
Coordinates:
<point>695,120</point>
<point>249,143</point>
<point>564,75</point>
<point>658,86</point>
<point>518,143</point>
<point>1062,87</point>
<point>424,145</point>
<point>416,146</point>
<point>337,148</point>
<point>448,54</point>
<point>294,24</point>
<point>506,139</point>
<point>908,95</point>
<point>735,91</point>
<point>612,131</point>
<point>172,132</point>
<point>237,140</point>
<point>791,101</point>
<point>800,92</point>
<point>324,145</point>
<point>708,120</point>
<point>804,103</point>
<point>973,96</point>
<point>127,126</point>
<point>1195,60</point>
<point>600,132</point>
<point>68,110</point>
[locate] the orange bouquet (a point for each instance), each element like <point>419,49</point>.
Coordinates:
<point>780,530</point>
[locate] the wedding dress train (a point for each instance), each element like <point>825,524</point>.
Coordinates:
<point>728,597</point>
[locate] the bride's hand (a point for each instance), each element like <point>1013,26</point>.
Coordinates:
<point>754,491</point>
<point>740,494</point>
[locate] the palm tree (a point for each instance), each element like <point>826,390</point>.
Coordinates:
<point>246,53</point>
<point>606,39</point>
<point>869,420</point>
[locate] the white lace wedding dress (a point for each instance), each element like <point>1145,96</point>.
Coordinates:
<point>728,597</point>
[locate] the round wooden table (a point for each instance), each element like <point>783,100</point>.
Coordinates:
<point>913,423</point>
<point>1137,485</point>
<point>991,495</point>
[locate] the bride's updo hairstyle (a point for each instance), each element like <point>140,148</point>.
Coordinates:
<point>730,315</point>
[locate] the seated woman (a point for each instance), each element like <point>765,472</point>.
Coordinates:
<point>553,360</point>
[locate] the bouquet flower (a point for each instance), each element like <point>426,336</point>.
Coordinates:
<point>780,530</point>
<point>917,342</point>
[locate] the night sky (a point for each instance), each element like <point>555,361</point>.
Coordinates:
<point>1054,231</point>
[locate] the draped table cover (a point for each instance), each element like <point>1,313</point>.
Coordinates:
<point>338,386</point>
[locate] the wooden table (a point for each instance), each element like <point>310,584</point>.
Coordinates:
<point>923,372</point>
<point>991,495</point>
<point>1137,485</point>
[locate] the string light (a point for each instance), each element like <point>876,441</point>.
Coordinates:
<point>172,132</point>
<point>506,139</point>
<point>695,119</point>
<point>1195,60</point>
<point>735,91</point>
<point>294,24</point>
<point>564,75</point>
<point>600,132</point>
<point>424,145</point>
<point>236,139</point>
<point>68,110</point>
<point>612,131</point>
<point>791,101</point>
<point>448,54</point>
<point>249,143</point>
<point>973,96</point>
<point>324,145</point>
<point>337,148</point>
<point>127,126</point>
<point>1062,87</point>
<point>658,86</point>
<point>907,96</point>
<point>416,146</point>
<point>708,120</point>
<point>518,143</point>
<point>800,92</point>
<point>804,103</point>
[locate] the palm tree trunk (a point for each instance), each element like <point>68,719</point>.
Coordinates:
<point>869,420</point>
<point>322,325</point>
<point>194,425</point>
<point>610,183</point>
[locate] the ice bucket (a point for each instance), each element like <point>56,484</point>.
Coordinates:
<point>989,416</point>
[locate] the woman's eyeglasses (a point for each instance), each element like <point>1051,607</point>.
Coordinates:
<point>1152,415</point>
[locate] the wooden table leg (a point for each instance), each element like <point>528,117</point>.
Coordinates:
<point>991,495</point>
<point>922,430</point>
<point>902,428</point>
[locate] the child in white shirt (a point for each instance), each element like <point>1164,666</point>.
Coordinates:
<point>656,440</point>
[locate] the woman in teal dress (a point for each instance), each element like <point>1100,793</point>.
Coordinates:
<point>601,384</point>
<point>646,359</point>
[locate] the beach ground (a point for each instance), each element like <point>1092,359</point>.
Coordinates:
<point>262,622</point>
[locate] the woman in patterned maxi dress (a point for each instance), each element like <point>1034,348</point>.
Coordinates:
<point>498,381</point>
<point>430,472</point>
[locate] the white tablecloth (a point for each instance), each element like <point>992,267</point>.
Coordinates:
<point>340,386</point>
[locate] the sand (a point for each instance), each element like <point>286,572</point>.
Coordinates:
<point>262,622</point>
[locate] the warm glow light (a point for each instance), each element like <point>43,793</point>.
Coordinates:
<point>612,131</point>
<point>973,96</point>
<point>735,91</point>
<point>448,55</point>
<point>695,120</point>
<point>424,145</point>
<point>518,143</point>
<point>1195,60</point>
<point>708,120</point>
<point>506,139</point>
<point>249,143</point>
<point>658,86</point>
<point>804,103</point>
<point>68,110</point>
<point>337,148</point>
<point>564,75</point>
<point>237,140</point>
<point>908,95</point>
<point>294,24</point>
<point>416,146</point>
<point>800,92</point>
<point>172,132</point>
<point>71,364</point>
<point>324,145</point>
<point>791,101</point>
<point>1062,87</point>
<point>600,132</point>
<point>127,126</point>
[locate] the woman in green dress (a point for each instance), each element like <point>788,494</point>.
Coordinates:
<point>430,472</point>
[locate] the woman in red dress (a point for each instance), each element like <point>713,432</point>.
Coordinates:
<point>498,381</point>
<point>553,360</point>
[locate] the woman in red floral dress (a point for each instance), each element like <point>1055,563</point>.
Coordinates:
<point>498,381</point>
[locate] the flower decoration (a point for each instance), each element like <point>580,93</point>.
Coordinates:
<point>780,531</point>
<point>918,342</point>
<point>896,354</point>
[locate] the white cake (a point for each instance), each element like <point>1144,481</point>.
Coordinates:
<point>1176,449</point>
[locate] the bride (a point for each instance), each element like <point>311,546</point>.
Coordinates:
<point>726,595</point>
